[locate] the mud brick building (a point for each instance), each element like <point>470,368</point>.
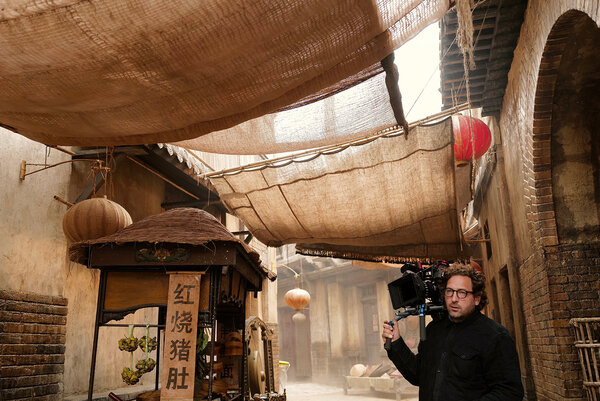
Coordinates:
<point>538,191</point>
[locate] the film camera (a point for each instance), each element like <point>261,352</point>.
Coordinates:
<point>418,285</point>
<point>417,292</point>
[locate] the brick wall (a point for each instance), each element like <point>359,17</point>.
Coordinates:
<point>567,288</point>
<point>32,346</point>
<point>558,281</point>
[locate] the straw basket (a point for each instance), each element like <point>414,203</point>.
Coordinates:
<point>587,342</point>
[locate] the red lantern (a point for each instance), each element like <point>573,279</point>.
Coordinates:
<point>465,128</point>
<point>297,298</point>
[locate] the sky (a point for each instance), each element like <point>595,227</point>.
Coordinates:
<point>418,61</point>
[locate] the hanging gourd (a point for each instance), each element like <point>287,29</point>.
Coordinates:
<point>464,128</point>
<point>297,298</point>
<point>94,218</point>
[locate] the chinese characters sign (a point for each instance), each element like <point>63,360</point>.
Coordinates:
<point>180,337</point>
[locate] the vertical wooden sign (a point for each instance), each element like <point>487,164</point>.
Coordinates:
<point>179,352</point>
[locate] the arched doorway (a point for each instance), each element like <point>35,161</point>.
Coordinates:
<point>566,162</point>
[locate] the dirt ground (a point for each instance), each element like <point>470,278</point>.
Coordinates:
<point>321,392</point>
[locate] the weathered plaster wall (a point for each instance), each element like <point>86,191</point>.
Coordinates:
<point>33,250</point>
<point>575,142</point>
<point>319,329</point>
<point>141,194</point>
<point>33,246</point>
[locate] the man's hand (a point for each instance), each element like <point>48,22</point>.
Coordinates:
<point>389,332</point>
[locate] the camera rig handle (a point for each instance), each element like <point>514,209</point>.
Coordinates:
<point>421,311</point>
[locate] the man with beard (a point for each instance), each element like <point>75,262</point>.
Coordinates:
<point>466,355</point>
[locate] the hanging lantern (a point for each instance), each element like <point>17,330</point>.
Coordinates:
<point>299,317</point>
<point>297,298</point>
<point>94,218</point>
<point>464,128</point>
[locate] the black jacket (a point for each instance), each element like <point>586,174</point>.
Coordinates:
<point>475,359</point>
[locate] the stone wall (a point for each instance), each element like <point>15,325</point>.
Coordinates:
<point>32,346</point>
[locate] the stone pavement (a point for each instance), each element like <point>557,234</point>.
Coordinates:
<point>322,392</point>
<point>296,391</point>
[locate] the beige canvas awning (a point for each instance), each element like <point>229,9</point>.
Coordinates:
<point>393,199</point>
<point>114,73</point>
<point>356,112</point>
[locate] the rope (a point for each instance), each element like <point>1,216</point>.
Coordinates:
<point>464,34</point>
<point>455,94</point>
<point>431,76</point>
<point>464,37</point>
<point>332,149</point>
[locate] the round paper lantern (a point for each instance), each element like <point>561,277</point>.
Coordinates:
<point>299,317</point>
<point>463,128</point>
<point>297,298</point>
<point>94,218</point>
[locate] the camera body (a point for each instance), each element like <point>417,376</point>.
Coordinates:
<point>418,286</point>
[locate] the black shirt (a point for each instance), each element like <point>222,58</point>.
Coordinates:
<point>474,359</point>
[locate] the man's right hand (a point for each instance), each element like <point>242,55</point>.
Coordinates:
<point>389,332</point>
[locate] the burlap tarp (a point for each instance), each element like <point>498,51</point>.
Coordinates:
<point>391,199</point>
<point>113,73</point>
<point>354,113</point>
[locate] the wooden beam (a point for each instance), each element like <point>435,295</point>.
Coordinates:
<point>198,204</point>
<point>459,76</point>
<point>172,170</point>
<point>479,48</point>
<point>100,153</point>
<point>458,68</point>
<point>478,25</point>
<point>458,60</point>
<point>97,182</point>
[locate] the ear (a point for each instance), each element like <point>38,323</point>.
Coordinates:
<point>477,300</point>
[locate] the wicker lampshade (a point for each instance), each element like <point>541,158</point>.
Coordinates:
<point>94,218</point>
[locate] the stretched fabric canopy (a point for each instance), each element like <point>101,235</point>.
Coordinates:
<point>393,199</point>
<point>113,73</point>
<point>354,113</point>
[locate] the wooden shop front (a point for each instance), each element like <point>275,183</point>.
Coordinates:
<point>198,275</point>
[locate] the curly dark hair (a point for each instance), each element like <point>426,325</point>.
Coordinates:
<point>477,278</point>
